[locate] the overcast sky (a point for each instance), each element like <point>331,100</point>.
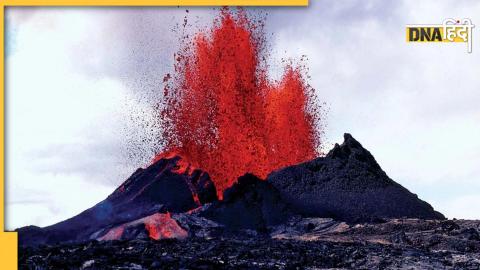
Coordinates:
<point>80,82</point>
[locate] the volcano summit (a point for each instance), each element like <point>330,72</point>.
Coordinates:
<point>347,184</point>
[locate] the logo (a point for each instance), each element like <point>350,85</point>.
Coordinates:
<point>449,31</point>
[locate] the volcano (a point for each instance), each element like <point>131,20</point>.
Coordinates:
<point>347,184</point>
<point>336,211</point>
<point>170,198</point>
<point>163,187</point>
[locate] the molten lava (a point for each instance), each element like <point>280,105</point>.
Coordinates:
<point>224,115</point>
<point>158,226</point>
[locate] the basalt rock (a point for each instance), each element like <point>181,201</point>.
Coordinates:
<point>347,184</point>
<point>308,243</point>
<point>251,203</point>
<point>165,186</point>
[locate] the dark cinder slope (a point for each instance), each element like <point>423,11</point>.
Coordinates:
<point>161,187</point>
<point>347,184</point>
<point>251,203</point>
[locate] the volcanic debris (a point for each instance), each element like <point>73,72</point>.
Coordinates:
<point>250,203</point>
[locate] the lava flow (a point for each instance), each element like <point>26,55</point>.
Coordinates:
<point>223,114</point>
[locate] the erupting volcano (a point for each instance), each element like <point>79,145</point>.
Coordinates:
<point>224,115</point>
<point>238,184</point>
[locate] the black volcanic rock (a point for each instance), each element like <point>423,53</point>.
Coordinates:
<point>161,187</point>
<point>251,203</point>
<point>395,244</point>
<point>347,184</point>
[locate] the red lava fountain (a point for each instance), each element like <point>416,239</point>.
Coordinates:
<point>222,113</point>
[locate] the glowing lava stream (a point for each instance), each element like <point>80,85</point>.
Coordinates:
<point>223,115</point>
<point>159,226</point>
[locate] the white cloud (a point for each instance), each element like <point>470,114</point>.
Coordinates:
<point>46,198</point>
<point>59,121</point>
<point>461,207</point>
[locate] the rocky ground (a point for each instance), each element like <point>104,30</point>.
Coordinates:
<point>302,243</point>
